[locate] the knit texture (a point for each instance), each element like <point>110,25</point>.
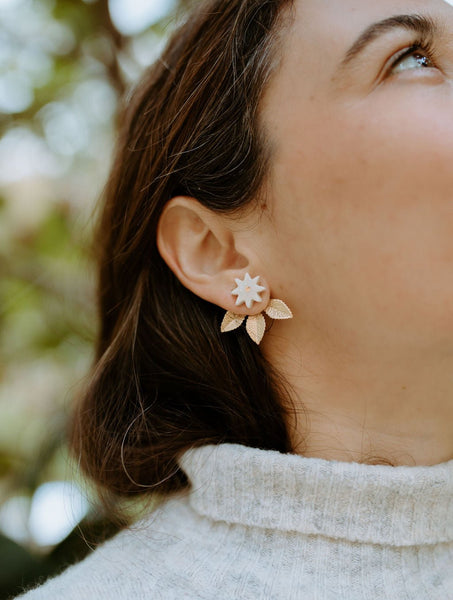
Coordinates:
<point>259,524</point>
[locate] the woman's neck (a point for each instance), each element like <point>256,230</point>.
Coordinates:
<point>359,405</point>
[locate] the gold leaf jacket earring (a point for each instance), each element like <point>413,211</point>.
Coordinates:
<point>247,292</point>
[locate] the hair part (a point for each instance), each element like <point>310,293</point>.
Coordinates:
<point>164,378</point>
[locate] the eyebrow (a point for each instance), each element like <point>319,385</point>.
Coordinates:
<point>424,25</point>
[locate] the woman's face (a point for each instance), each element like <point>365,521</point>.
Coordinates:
<point>359,240</point>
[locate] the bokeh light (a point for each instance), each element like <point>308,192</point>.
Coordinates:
<point>57,507</point>
<point>64,66</point>
<point>134,17</point>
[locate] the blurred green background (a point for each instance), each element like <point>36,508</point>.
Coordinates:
<point>64,64</point>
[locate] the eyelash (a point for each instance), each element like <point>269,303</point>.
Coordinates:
<point>426,47</point>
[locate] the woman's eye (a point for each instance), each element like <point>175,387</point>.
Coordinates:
<point>412,60</point>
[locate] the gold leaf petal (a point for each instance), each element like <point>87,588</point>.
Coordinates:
<point>231,321</point>
<point>256,325</point>
<point>277,309</point>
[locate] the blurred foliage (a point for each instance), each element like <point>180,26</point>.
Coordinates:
<point>64,64</point>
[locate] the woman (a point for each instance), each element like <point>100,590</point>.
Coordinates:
<point>275,353</point>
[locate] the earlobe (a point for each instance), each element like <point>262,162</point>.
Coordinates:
<point>198,245</point>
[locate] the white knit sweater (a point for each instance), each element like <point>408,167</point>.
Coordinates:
<point>258,524</point>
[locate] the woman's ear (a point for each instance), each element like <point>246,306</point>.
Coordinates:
<point>198,245</point>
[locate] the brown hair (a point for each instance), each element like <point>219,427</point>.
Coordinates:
<point>164,378</point>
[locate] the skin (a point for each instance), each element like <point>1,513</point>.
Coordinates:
<point>359,236</point>
<point>356,236</point>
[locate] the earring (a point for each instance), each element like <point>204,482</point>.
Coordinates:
<point>247,292</point>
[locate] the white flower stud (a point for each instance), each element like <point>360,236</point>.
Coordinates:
<point>247,291</point>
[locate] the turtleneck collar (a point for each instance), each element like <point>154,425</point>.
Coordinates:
<point>398,506</point>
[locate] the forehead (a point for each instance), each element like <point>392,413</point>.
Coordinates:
<point>351,14</point>
<point>334,24</point>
